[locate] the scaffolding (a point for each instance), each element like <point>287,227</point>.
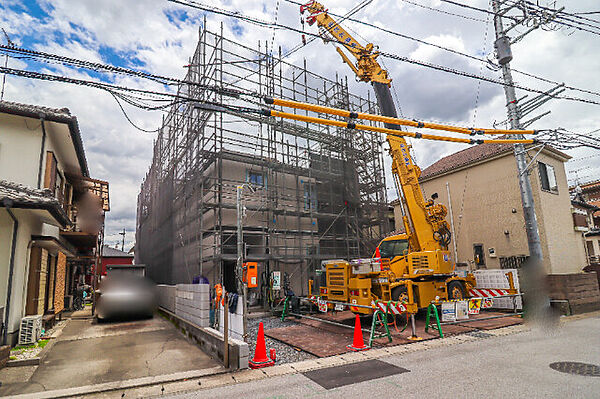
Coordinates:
<point>318,192</point>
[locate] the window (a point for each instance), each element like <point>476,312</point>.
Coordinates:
<point>256,178</point>
<point>393,248</point>
<point>547,177</point>
<point>51,172</point>
<point>478,255</point>
<point>310,197</point>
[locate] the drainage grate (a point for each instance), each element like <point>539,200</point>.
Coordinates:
<point>588,370</point>
<point>479,334</point>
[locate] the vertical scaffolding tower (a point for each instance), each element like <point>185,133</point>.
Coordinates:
<point>319,191</point>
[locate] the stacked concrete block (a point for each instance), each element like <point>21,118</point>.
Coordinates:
<point>192,303</point>
<point>243,353</point>
<point>580,289</point>
<point>166,296</point>
<point>236,321</point>
<point>498,279</point>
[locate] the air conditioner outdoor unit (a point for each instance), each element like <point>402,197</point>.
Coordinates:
<point>31,329</point>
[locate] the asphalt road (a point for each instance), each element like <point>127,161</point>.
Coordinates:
<point>88,353</point>
<point>514,366</point>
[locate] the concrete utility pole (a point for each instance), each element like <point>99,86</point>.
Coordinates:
<point>504,55</point>
<point>242,285</point>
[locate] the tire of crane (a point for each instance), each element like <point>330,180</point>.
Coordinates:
<point>456,290</point>
<point>398,291</point>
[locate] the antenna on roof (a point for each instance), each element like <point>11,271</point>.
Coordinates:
<point>10,43</point>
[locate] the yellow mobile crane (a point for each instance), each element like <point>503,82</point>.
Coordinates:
<point>415,267</point>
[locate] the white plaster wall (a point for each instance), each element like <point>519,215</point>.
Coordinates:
<point>565,250</point>
<point>20,145</point>
<point>29,224</point>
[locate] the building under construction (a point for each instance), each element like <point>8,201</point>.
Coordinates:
<point>313,192</point>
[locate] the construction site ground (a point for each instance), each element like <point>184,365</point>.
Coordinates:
<point>322,339</point>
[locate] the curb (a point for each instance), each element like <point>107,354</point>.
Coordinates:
<point>126,384</point>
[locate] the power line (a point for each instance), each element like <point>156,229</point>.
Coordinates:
<point>532,7</point>
<point>559,138</point>
<point>444,12</point>
<point>98,67</point>
<point>256,21</point>
<point>482,60</point>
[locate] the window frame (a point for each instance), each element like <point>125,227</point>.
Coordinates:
<point>544,176</point>
<point>249,173</point>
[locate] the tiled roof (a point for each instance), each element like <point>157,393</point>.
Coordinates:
<point>59,115</point>
<point>34,110</point>
<point>472,155</point>
<point>465,157</point>
<point>113,252</point>
<point>20,196</point>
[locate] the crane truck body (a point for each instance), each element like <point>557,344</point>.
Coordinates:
<point>415,267</point>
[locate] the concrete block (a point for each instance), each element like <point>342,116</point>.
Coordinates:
<point>243,363</point>
<point>243,347</point>
<point>193,287</point>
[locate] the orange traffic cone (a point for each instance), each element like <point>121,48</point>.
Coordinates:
<point>260,352</point>
<point>358,344</point>
<point>378,257</point>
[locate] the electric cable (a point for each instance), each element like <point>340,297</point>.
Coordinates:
<point>482,60</point>
<point>444,12</point>
<point>238,15</point>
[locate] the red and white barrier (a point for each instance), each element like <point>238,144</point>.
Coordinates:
<point>488,292</point>
<point>394,307</point>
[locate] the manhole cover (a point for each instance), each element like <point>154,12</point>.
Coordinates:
<point>589,370</point>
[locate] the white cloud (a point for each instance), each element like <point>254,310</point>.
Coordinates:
<point>142,33</point>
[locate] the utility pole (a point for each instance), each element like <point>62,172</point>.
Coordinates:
<point>123,242</point>
<point>504,54</point>
<point>242,285</point>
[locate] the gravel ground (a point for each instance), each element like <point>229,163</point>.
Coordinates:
<point>285,353</point>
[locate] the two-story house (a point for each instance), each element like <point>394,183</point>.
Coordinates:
<point>480,187</point>
<point>51,213</point>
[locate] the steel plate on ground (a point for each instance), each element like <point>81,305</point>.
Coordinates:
<point>339,376</point>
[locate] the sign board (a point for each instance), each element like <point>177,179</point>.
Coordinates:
<point>339,307</point>
<point>322,305</point>
<point>448,311</point>
<point>474,305</point>
<point>487,303</point>
<point>277,280</point>
<point>462,310</point>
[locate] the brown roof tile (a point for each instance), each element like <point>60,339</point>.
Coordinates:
<point>20,196</point>
<point>465,157</point>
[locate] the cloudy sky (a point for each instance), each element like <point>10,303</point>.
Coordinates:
<point>158,37</point>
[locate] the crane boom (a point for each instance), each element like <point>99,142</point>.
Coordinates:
<point>425,222</point>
